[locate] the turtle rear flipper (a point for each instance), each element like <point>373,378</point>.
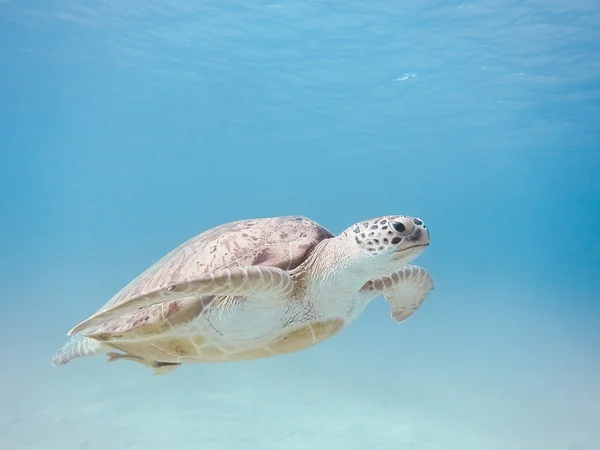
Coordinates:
<point>160,368</point>
<point>77,347</point>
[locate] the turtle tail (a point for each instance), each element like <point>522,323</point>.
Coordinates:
<point>77,347</point>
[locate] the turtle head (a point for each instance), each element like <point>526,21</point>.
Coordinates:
<point>390,241</point>
<point>366,250</point>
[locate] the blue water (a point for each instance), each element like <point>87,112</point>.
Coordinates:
<point>129,126</point>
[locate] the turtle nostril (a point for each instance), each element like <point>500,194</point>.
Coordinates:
<point>416,235</point>
<point>418,222</point>
<point>399,226</point>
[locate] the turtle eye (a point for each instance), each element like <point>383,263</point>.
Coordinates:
<point>399,227</point>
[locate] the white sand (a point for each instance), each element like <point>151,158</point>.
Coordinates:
<point>416,391</point>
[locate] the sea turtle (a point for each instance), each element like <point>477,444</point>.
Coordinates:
<point>256,288</point>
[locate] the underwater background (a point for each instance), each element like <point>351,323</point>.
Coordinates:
<point>129,126</point>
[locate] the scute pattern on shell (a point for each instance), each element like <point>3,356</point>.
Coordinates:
<point>282,242</point>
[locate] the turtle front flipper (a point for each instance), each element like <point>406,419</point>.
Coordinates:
<point>405,290</point>
<point>271,283</point>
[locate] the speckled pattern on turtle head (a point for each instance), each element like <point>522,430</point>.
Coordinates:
<point>256,288</point>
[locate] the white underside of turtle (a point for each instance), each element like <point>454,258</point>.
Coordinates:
<point>256,288</point>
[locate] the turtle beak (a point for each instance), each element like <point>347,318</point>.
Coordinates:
<point>416,243</point>
<point>409,253</point>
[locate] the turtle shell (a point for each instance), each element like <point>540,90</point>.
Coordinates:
<point>282,242</point>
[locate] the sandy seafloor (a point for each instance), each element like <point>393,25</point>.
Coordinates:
<point>445,379</point>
